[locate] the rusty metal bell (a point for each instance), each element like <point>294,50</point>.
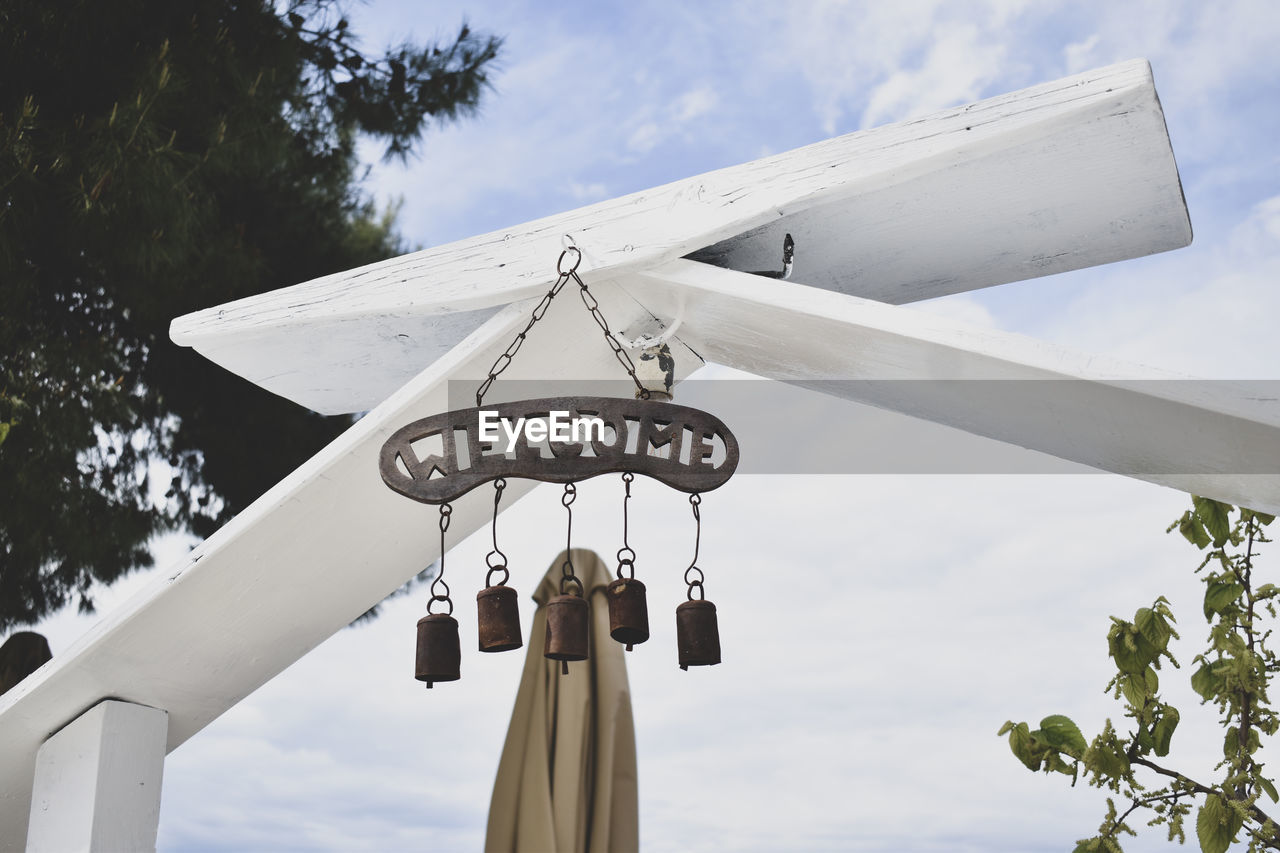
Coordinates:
<point>628,611</point>
<point>697,634</point>
<point>439,651</point>
<point>567,623</point>
<point>498,619</point>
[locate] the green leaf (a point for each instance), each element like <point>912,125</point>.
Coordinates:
<point>1053,761</point>
<point>1262,517</point>
<point>1231,745</point>
<point>1023,748</point>
<point>1206,681</point>
<point>1216,825</point>
<point>1265,784</point>
<point>1220,594</point>
<point>1061,733</point>
<point>1216,518</point>
<point>1144,741</point>
<point>1134,690</point>
<point>4,431</point>
<point>1107,760</point>
<point>1153,627</point>
<point>1131,651</point>
<point>1162,732</point>
<point>1192,529</point>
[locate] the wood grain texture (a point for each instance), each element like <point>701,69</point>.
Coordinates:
<point>1219,439</point>
<point>1059,176</point>
<point>246,603</point>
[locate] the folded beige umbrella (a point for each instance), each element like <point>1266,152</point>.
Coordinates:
<point>567,778</point>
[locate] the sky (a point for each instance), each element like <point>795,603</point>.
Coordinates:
<point>877,629</point>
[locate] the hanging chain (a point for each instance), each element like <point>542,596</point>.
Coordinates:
<point>445,512</point>
<point>618,352</point>
<point>626,554</point>
<point>695,500</point>
<point>501,558</point>
<point>567,575</point>
<point>503,361</point>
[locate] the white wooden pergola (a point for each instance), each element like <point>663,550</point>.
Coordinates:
<point>1069,174</point>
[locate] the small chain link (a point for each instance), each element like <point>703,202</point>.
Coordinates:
<point>445,512</point>
<point>619,353</point>
<point>626,554</point>
<point>567,575</point>
<point>695,500</point>
<point>495,559</point>
<point>503,361</point>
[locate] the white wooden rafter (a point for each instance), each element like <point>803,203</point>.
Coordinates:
<point>1218,439</point>
<point>1064,175</point>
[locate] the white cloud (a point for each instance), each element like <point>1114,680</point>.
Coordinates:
<point>588,192</point>
<point>1080,56</point>
<point>888,61</point>
<point>1206,311</point>
<point>959,64</point>
<point>1261,232</point>
<point>694,104</point>
<point>673,120</point>
<point>961,307</point>
<point>644,138</point>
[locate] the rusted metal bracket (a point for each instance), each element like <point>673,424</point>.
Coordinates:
<point>656,368</point>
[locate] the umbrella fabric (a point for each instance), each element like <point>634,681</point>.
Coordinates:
<point>567,777</point>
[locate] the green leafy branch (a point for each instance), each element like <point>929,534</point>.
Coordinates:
<point>1233,673</point>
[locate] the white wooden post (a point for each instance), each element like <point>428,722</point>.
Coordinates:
<point>97,781</point>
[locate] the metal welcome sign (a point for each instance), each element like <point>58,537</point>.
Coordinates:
<point>438,459</point>
<point>558,440</point>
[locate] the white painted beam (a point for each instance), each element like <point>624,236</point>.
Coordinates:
<point>1218,439</point>
<point>97,782</point>
<point>309,556</point>
<point>1064,175</point>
